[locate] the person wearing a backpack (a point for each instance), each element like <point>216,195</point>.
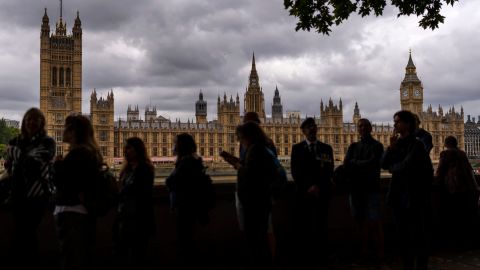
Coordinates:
<point>29,156</point>
<point>460,193</point>
<point>75,176</point>
<point>189,203</point>
<point>134,221</point>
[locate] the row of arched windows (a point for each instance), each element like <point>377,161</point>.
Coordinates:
<point>61,76</point>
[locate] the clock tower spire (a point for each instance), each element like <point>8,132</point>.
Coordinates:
<point>411,89</point>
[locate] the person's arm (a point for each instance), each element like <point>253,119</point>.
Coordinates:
<point>230,159</point>
<point>349,161</point>
<point>414,157</point>
<point>39,157</point>
<point>389,157</point>
<point>442,165</point>
<point>330,165</point>
<point>372,161</point>
<point>296,165</point>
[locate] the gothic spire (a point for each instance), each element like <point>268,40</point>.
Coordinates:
<point>410,63</point>
<point>61,28</point>
<point>45,29</point>
<point>61,9</point>
<point>411,71</point>
<point>45,17</point>
<point>253,78</point>
<point>78,22</point>
<point>356,111</point>
<point>253,62</point>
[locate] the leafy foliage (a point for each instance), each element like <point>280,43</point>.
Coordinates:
<point>322,14</point>
<point>6,134</point>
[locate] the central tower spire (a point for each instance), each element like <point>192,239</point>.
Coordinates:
<point>254,101</point>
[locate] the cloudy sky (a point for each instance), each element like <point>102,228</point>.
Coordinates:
<point>163,52</point>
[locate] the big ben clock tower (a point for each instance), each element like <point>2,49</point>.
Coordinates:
<point>411,89</point>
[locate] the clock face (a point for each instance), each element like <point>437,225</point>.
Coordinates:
<point>416,93</point>
<point>405,93</point>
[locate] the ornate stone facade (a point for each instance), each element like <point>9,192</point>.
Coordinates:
<point>218,135</point>
<point>61,94</point>
<point>61,85</point>
<point>472,138</point>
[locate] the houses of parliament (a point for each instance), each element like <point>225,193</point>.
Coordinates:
<point>61,94</point>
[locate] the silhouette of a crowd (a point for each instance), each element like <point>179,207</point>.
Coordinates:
<point>72,187</point>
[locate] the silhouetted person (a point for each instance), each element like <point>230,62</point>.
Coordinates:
<point>409,195</point>
<point>255,175</point>
<point>312,170</point>
<point>134,222</point>
<point>28,162</point>
<point>362,163</point>
<point>424,136</point>
<point>460,194</point>
<point>184,183</point>
<point>74,176</point>
<point>253,117</point>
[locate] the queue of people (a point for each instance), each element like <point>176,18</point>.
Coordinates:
<point>35,174</point>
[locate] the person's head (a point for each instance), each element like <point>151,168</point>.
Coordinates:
<point>364,127</point>
<point>135,151</point>
<point>33,122</point>
<point>251,117</point>
<point>184,145</point>
<point>251,133</point>
<point>451,142</point>
<point>78,130</point>
<point>404,122</point>
<point>309,129</point>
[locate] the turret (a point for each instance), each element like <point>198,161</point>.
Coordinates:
<point>150,113</point>
<point>133,114</point>
<point>277,108</point>
<point>201,109</point>
<point>45,30</point>
<point>93,98</point>
<point>77,27</point>
<point>356,114</point>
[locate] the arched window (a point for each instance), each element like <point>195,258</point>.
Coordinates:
<point>54,76</point>
<point>60,77</point>
<point>68,76</point>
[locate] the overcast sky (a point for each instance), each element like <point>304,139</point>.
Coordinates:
<point>163,52</point>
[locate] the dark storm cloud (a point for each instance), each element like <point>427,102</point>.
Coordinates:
<point>163,53</point>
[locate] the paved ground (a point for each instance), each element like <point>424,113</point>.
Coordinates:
<point>459,260</point>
